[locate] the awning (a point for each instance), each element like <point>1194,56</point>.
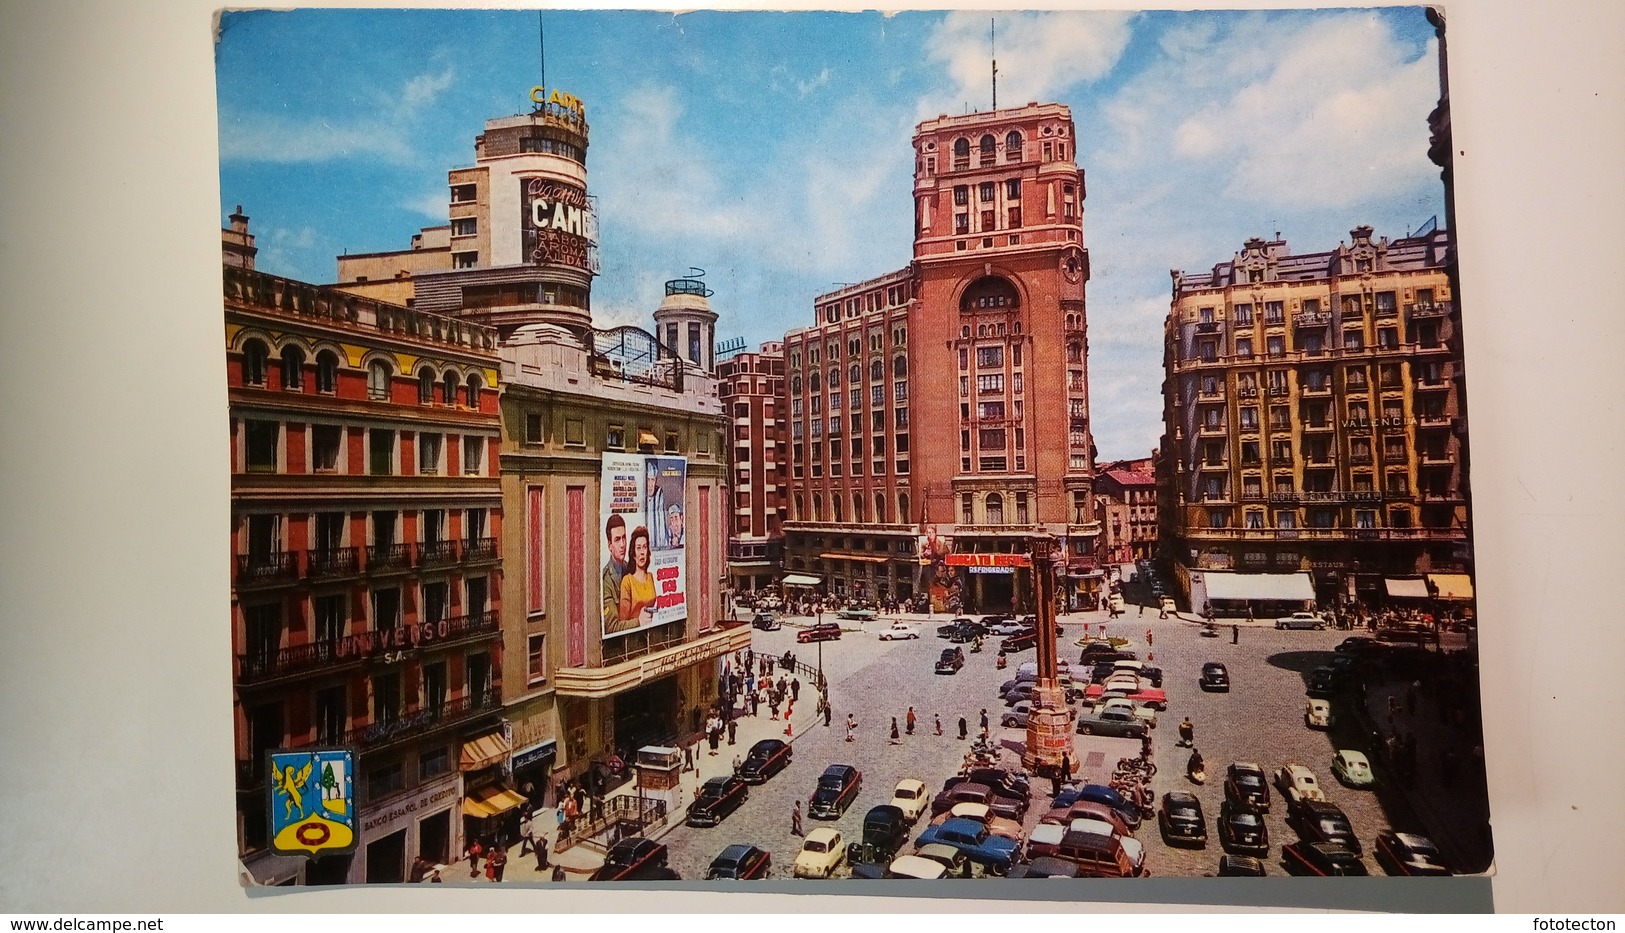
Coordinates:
<point>645,439</point>
<point>869,558</point>
<point>1284,587</point>
<point>490,802</point>
<point>484,751</point>
<point>1412,588</point>
<point>802,579</point>
<point>1452,585</point>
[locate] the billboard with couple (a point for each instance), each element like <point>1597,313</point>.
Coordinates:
<point>642,511</point>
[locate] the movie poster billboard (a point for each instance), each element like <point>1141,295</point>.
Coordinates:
<point>641,512</point>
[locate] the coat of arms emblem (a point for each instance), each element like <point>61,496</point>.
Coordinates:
<point>312,801</point>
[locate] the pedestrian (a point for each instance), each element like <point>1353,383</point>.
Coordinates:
<point>937,717</point>
<point>733,727</point>
<point>1055,783</point>
<point>737,762</point>
<point>795,688</point>
<point>497,864</point>
<point>688,758</point>
<point>795,819</point>
<point>1235,630</point>
<point>910,719</point>
<point>826,714</point>
<point>789,708</point>
<point>851,726</point>
<point>1148,637</point>
<point>475,850</point>
<point>1187,733</point>
<point>962,729</point>
<point>541,853</point>
<point>527,834</point>
<point>558,872</point>
<point>1066,766</point>
<point>420,868</point>
<point>896,738</point>
<point>581,799</point>
<point>434,875</point>
<point>773,704</point>
<point>984,719</point>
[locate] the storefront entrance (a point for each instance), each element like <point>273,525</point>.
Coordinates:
<point>647,715</point>
<point>995,592</point>
<point>386,859</point>
<point>434,837</point>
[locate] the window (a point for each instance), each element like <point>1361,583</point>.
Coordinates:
<point>255,356</point>
<point>378,376</point>
<point>1389,375</point>
<point>899,391</point>
<point>967,509</point>
<point>671,442</point>
<point>984,192</point>
<point>533,428</point>
<point>473,454</point>
<point>989,384</point>
<point>995,509</point>
<point>260,445</point>
<point>465,260</point>
<point>1249,418</point>
<point>988,224</point>
<point>536,658</point>
<point>1286,519</point>
<point>1275,345</point>
<point>464,226</point>
<point>429,454</point>
<point>1208,351</point>
<point>1274,312</point>
<point>1353,340</point>
<point>961,223</point>
<point>426,383</point>
<point>991,438</point>
<point>992,464</point>
<point>327,372</point>
<point>1388,337</point>
<point>380,452</point>
<point>461,194</point>
<point>961,195</point>
<point>1244,314</point>
<point>1218,518</point>
<point>615,437</point>
<point>1249,453</point>
<point>293,368</point>
<point>473,392</point>
<point>1244,346</point>
<point>899,418</point>
<point>1365,518</point>
<point>1386,305</point>
<point>575,432</point>
<point>326,442</point>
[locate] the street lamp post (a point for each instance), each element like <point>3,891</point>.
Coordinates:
<point>1049,725</point>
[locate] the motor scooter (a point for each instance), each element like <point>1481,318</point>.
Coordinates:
<point>1196,769</point>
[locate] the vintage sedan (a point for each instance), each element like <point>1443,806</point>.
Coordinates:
<point>915,867</point>
<point>1113,722</point>
<point>1215,677</point>
<point>1242,830</point>
<point>1319,821</point>
<point>821,853</point>
<point>1005,626</point>
<point>900,631</point>
<point>717,798</point>
<point>885,829</point>
<point>1322,683</point>
<point>953,861</point>
<point>765,759</point>
<point>819,631</point>
<point>1046,867</point>
<point>1309,620</point>
<point>1240,866</point>
<point>1020,641</point>
<point>1011,808</point>
<point>1321,858</point>
<point>766,621</point>
<point>1016,717</point>
<point>1295,782</point>
<point>1085,809</point>
<point>994,853</point>
<point>1317,714</point>
<point>1004,782</point>
<point>837,788</point>
<point>1352,768</point>
<point>740,863</point>
<point>951,661</point>
<point>1154,697</point>
<point>1244,783</point>
<point>1409,854</point>
<point>1101,794</point>
<point>1181,821</point>
<point>635,859</point>
<point>911,798</point>
<point>981,813</point>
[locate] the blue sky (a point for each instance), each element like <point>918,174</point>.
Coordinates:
<point>772,149</point>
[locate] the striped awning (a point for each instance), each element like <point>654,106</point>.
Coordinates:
<point>484,751</point>
<point>1406,588</point>
<point>490,801</point>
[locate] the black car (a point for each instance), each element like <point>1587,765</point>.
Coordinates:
<point>1322,683</point>
<point>885,829</point>
<point>740,863</point>
<point>1360,646</point>
<point>766,621</point>
<point>837,788</point>
<point>1321,858</point>
<point>1215,677</point>
<point>1181,821</point>
<point>951,661</point>
<point>966,632</point>
<point>947,631</point>
<point>717,798</point>
<point>1245,783</point>
<point>765,759</point>
<point>1100,652</point>
<point>1319,821</point>
<point>1020,642</point>
<point>1409,854</point>
<point>1242,830</point>
<point>635,859</point>
<point>820,631</point>
<point>995,619</point>
<point>1045,867</point>
<point>1240,866</point>
<point>1007,783</point>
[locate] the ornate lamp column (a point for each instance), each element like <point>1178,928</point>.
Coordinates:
<point>1049,727</point>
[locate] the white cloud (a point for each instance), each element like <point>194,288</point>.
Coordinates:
<point>423,89</point>
<point>431,204</point>
<point>807,87</point>
<point>1039,55</point>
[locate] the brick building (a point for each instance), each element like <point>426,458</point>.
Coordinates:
<point>1126,501</point>
<point>751,386</point>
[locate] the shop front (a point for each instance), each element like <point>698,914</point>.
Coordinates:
<point>535,756</point>
<point>490,804</point>
<point>396,831</point>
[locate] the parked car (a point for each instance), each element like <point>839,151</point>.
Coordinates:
<point>1046,867</point>
<point>1321,858</point>
<point>918,868</point>
<point>1132,847</point>
<point>997,618</point>
<point>1019,642</point>
<point>1021,692</point>
<point>1295,782</point>
<point>821,853</point>
<point>1144,713</point>
<point>1215,677</point>
<point>1004,782</point>
<point>1360,646</point>
<point>1352,768</point>
<point>1322,683</point>
<point>1095,855</point>
<point>837,788</point>
<point>635,859</point>
<point>911,798</point>
<point>951,661</point>
<point>1096,652</point>
<point>1242,830</point>
<point>740,863</point>
<point>820,631</point>
<point>1244,783</point>
<point>955,625</point>
<point>1101,794</point>
<point>1113,722</point>
<point>994,853</point>
<point>1005,626</point>
<point>1074,810</point>
<point>1016,717</point>
<point>716,798</point>
<point>1145,671</point>
<point>963,791</point>
<point>954,862</point>
<point>885,829</point>
<point>1180,819</point>
<point>1317,714</point>
<point>900,631</point>
<point>1154,697</point>
<point>765,759</point>
<point>1309,620</point>
<point>982,813</point>
<point>1319,821</point>
<point>967,632</point>
<point>1409,854</point>
<point>1240,866</point>
<point>766,621</point>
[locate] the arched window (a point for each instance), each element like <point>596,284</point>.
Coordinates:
<point>857,508</point>
<point>880,507</point>
<point>327,372</point>
<point>902,508</point>
<point>818,507</point>
<point>813,382</point>
<point>855,374</point>
<point>378,376</point>
<point>426,382</point>
<point>835,377</point>
<point>995,509</point>
<point>981,330</point>
<point>448,390</point>
<point>962,147</point>
<point>255,355</point>
<point>964,330</point>
<point>473,393</point>
<point>1012,143</point>
<point>854,347</point>
<point>877,370</point>
<point>795,384</point>
<point>293,367</point>
<point>899,366</point>
<point>801,507</point>
<point>989,291</point>
<point>835,507</point>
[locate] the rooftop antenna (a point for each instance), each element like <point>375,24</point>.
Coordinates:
<point>992,47</point>
<point>541,39</point>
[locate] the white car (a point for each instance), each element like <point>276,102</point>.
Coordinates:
<point>1317,714</point>
<point>1145,714</point>
<point>1006,627</point>
<point>1352,768</point>
<point>1295,782</point>
<point>911,798</point>
<point>1301,620</point>
<point>821,853</point>
<point>900,631</point>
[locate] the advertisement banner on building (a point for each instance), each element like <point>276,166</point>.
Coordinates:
<point>642,510</point>
<point>558,224</point>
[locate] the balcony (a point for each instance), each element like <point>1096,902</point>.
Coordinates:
<point>1312,319</point>
<point>1361,459</point>
<point>1206,428</point>
<point>267,569</point>
<point>437,553</point>
<point>1319,463</point>
<point>1430,309</point>
<point>1209,327</point>
<point>261,666</point>
<point>1321,388</point>
<point>1387,311</point>
<point>1437,458</point>
<point>1329,534</point>
<point>1395,456</point>
<point>479,549</point>
<point>428,719</point>
<point>1432,385</point>
<point>1313,426</point>
<point>326,563</point>
<point>389,558</point>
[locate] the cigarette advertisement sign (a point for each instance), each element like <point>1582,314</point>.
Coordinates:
<point>642,512</point>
